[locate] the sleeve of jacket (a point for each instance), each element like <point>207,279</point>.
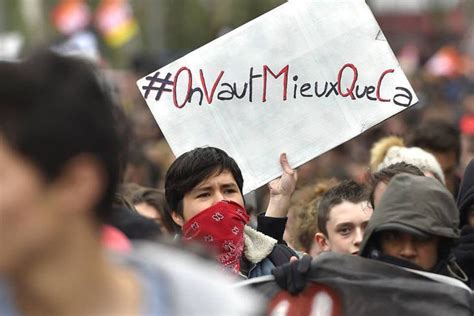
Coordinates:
<point>272,226</point>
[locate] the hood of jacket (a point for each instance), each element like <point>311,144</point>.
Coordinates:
<point>466,193</point>
<point>417,205</point>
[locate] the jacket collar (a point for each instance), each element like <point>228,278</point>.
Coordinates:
<point>257,245</point>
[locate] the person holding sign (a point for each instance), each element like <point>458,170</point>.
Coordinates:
<point>203,188</point>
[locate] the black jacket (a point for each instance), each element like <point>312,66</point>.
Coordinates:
<point>466,193</point>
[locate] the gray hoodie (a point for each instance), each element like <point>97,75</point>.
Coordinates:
<point>417,205</point>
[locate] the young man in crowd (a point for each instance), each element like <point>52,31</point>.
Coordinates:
<point>59,169</point>
<point>380,179</point>
<point>203,188</point>
<point>443,140</point>
<point>415,225</point>
<point>343,214</point>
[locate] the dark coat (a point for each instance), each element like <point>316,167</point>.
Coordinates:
<point>417,205</point>
<point>466,193</point>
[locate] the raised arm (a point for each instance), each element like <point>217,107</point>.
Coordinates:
<point>273,222</point>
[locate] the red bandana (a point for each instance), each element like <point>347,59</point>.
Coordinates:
<point>221,227</point>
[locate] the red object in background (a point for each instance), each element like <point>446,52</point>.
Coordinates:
<point>114,239</point>
<point>466,125</point>
<point>70,16</point>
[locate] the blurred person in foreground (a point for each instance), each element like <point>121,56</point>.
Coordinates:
<point>59,169</point>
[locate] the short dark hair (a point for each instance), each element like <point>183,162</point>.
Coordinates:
<point>134,225</point>
<point>157,199</point>
<point>386,174</point>
<point>53,108</point>
<point>347,190</point>
<point>437,136</point>
<point>193,167</point>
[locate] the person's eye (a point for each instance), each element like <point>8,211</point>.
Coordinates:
<point>344,231</point>
<point>230,191</point>
<point>423,241</point>
<point>203,195</point>
<point>389,236</point>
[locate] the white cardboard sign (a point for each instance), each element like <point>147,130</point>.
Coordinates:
<point>301,79</point>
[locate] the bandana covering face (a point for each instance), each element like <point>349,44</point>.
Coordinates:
<point>220,227</point>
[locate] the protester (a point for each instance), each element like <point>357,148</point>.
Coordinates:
<point>390,150</point>
<point>273,221</point>
<point>443,140</point>
<point>343,214</point>
<point>134,225</point>
<point>140,169</point>
<point>304,210</point>
<point>415,225</point>
<point>204,191</point>
<point>151,203</point>
<point>379,180</point>
<point>59,169</point>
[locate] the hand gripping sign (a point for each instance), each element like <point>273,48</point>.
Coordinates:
<point>301,79</point>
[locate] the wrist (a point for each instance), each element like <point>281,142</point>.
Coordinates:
<point>278,206</point>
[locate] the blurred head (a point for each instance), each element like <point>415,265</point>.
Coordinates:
<point>380,179</point>
<point>442,140</point>
<point>342,217</point>
<point>129,221</point>
<point>151,203</point>
<point>140,169</point>
<point>59,153</point>
<point>200,178</point>
<point>415,156</point>
<point>300,232</point>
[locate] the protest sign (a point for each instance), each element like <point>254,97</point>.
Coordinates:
<point>301,79</point>
<point>339,285</point>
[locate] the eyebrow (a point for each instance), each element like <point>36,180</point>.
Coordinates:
<point>208,187</point>
<point>229,185</point>
<point>344,224</point>
<point>202,188</point>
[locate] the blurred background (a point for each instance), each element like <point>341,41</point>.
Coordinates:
<point>433,40</point>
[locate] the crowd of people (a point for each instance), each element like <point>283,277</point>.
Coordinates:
<point>98,218</point>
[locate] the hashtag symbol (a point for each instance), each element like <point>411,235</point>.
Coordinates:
<point>156,79</point>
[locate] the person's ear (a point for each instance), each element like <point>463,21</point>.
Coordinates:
<point>178,219</point>
<point>322,241</point>
<point>80,185</point>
